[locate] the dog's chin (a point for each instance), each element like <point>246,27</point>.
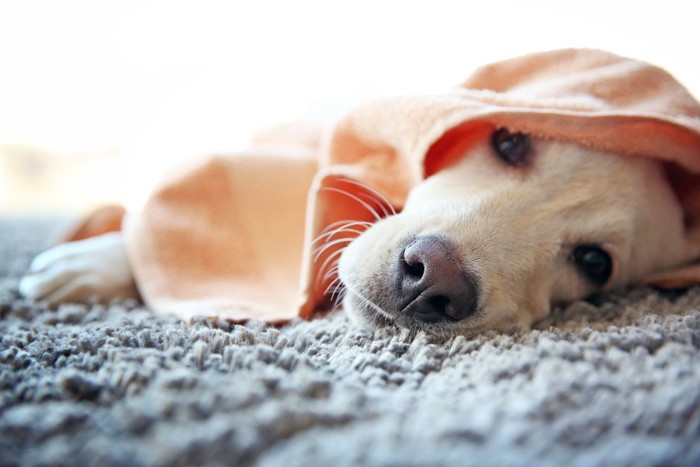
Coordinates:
<point>365,316</point>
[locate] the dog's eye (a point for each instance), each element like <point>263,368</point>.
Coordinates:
<point>594,262</point>
<point>511,147</point>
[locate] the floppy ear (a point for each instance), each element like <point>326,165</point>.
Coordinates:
<point>687,187</point>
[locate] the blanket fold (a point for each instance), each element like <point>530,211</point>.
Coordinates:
<point>240,237</point>
<point>223,238</point>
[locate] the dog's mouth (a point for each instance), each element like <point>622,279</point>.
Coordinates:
<point>364,309</point>
<point>365,315</point>
<point>424,286</point>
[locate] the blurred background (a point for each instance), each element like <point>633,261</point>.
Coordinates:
<point>97,97</point>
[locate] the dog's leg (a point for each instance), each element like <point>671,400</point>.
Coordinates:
<point>77,271</point>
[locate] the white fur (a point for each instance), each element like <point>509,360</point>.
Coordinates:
<point>97,267</point>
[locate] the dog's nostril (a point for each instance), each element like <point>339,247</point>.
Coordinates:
<point>413,269</point>
<point>439,303</point>
<point>431,308</point>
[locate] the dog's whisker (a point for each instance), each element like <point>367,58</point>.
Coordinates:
<point>364,204</point>
<point>366,301</point>
<point>326,242</point>
<point>378,202</point>
<point>338,293</point>
<point>375,202</point>
<point>368,305</point>
<point>322,249</point>
<point>336,224</point>
<point>333,270</point>
<point>335,285</point>
<point>341,295</point>
<point>344,225</point>
<point>331,258</point>
<point>328,268</point>
<point>332,284</point>
<point>384,200</point>
<point>337,232</point>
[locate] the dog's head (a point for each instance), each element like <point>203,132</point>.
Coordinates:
<point>515,225</point>
<point>540,179</point>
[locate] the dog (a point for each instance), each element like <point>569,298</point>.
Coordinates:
<point>518,222</point>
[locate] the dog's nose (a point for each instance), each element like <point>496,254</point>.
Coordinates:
<point>433,280</point>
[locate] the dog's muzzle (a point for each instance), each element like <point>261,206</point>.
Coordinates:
<point>432,283</point>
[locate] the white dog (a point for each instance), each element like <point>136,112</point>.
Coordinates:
<point>516,226</point>
<point>517,223</point>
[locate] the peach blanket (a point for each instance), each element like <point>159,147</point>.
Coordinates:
<point>236,237</point>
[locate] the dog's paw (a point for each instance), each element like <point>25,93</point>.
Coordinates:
<point>94,268</point>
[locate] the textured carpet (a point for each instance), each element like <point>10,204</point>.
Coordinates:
<point>614,382</point>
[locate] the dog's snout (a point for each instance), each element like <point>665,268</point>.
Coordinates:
<point>433,282</point>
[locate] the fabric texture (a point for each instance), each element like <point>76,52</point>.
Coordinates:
<point>216,237</point>
<point>613,382</point>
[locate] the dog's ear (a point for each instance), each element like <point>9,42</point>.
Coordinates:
<point>687,188</point>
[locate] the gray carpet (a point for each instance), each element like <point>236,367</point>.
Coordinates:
<point>614,382</point>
